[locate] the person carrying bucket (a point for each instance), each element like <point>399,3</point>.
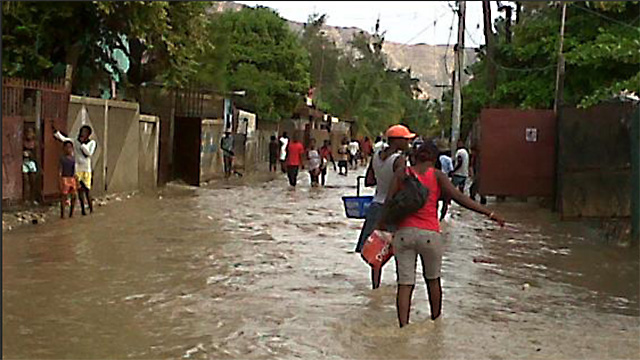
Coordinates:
<point>384,163</point>
<point>418,233</point>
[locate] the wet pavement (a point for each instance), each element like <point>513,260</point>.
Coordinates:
<point>261,272</point>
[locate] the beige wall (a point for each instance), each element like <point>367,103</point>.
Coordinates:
<point>148,142</point>
<point>116,131</point>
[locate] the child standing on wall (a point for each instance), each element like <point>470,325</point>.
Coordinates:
<point>68,184</point>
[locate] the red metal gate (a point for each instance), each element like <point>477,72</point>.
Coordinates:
<point>53,111</point>
<point>517,152</point>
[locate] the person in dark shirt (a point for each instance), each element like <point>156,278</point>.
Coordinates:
<point>327,155</point>
<point>68,185</point>
<point>274,149</point>
<point>226,144</point>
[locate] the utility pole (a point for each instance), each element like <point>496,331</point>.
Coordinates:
<point>488,38</point>
<point>457,85</point>
<point>560,71</point>
<point>557,108</point>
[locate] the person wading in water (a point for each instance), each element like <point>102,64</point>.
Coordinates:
<point>419,232</point>
<point>384,163</point>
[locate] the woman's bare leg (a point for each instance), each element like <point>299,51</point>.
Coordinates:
<point>403,303</point>
<point>435,297</point>
<point>376,277</point>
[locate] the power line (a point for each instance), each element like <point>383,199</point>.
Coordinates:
<point>542,68</point>
<point>435,21</point>
<point>446,53</point>
<point>604,16</point>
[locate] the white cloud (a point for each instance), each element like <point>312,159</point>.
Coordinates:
<point>404,21</point>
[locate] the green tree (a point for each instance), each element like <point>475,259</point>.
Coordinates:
<point>266,59</point>
<point>324,59</point>
<point>602,52</point>
<point>373,95</point>
<point>161,40</point>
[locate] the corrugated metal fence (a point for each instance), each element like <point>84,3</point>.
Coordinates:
<point>50,109</point>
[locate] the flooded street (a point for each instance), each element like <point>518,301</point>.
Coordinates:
<point>262,272</point>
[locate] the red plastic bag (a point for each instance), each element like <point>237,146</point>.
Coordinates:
<point>377,250</point>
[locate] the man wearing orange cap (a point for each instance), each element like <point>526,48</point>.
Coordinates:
<point>384,163</point>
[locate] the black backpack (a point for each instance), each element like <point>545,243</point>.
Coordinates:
<point>410,198</point>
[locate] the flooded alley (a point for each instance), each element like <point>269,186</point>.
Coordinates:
<point>256,271</point>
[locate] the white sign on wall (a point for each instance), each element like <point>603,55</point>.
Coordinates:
<point>531,135</point>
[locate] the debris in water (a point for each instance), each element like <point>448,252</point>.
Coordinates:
<point>134,297</point>
<point>483,261</point>
<point>525,286</point>
<point>193,350</point>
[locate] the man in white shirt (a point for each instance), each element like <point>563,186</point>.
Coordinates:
<point>284,142</point>
<point>379,145</point>
<point>84,148</point>
<point>447,163</point>
<point>354,149</point>
<point>461,169</point>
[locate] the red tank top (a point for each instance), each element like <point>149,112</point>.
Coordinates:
<point>427,217</point>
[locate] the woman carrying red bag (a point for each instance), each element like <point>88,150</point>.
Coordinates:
<point>419,233</point>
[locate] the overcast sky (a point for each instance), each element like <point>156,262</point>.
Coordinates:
<point>407,22</point>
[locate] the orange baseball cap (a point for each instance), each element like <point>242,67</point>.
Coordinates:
<point>400,131</point>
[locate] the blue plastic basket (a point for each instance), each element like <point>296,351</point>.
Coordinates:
<point>356,207</point>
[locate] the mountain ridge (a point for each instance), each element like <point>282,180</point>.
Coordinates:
<point>431,64</point>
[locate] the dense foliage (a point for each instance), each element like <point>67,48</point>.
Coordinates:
<point>602,52</point>
<point>160,39</point>
<point>179,43</point>
<point>356,83</point>
<point>261,56</point>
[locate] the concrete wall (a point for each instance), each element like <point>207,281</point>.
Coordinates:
<point>595,161</point>
<point>161,102</point>
<point>122,144</point>
<point>116,131</point>
<point>90,111</point>
<point>148,142</point>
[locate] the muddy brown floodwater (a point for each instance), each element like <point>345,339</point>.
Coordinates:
<point>260,272</point>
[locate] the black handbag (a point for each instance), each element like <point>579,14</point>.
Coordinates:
<point>410,198</point>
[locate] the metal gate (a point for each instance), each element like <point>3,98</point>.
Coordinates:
<point>517,152</point>
<point>50,109</point>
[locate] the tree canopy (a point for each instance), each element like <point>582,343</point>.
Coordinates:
<point>263,57</point>
<point>602,52</point>
<point>161,40</point>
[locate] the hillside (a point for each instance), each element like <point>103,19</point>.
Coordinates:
<point>431,64</point>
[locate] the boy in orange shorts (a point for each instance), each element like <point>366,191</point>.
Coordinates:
<point>68,184</point>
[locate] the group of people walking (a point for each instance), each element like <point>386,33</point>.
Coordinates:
<point>418,233</point>
<point>352,152</point>
<point>293,156</point>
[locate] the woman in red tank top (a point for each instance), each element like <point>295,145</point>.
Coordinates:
<point>419,233</point>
